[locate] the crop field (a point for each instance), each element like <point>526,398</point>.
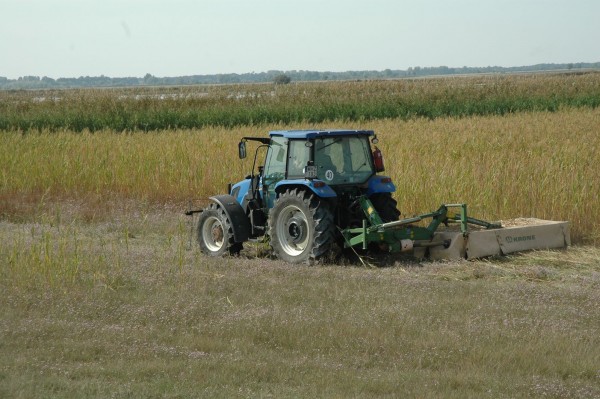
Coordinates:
<point>252,104</point>
<point>104,293</point>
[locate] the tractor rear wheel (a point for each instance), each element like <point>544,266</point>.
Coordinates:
<point>386,206</point>
<point>215,235</point>
<point>300,227</point>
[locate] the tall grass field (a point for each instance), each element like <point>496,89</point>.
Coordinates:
<point>537,164</point>
<point>103,292</point>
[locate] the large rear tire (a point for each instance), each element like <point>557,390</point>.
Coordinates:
<point>215,235</point>
<point>386,206</point>
<point>300,227</point>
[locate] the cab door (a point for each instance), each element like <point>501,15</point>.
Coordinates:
<point>275,166</point>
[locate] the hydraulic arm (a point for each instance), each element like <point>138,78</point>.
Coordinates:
<point>403,235</point>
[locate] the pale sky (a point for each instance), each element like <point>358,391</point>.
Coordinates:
<point>119,38</point>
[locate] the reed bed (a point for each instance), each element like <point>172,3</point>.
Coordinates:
<point>150,109</point>
<point>540,164</point>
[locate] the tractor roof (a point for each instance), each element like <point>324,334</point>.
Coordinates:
<point>310,134</point>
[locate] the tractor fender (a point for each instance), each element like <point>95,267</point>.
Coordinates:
<point>240,189</point>
<point>318,187</point>
<point>239,221</point>
<point>380,184</point>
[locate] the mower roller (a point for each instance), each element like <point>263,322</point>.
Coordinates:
<point>320,189</point>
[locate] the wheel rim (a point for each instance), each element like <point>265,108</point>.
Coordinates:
<point>292,230</point>
<point>212,234</point>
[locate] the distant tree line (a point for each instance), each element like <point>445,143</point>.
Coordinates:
<point>36,82</point>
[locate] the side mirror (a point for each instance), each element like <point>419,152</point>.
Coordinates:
<point>242,149</point>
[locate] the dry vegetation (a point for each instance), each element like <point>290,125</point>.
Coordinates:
<point>104,295</point>
<point>523,165</point>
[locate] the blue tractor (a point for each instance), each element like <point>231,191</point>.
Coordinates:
<point>318,189</point>
<point>303,197</point>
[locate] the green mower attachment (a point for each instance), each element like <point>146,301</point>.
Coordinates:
<point>486,239</point>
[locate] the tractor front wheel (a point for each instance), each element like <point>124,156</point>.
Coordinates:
<point>300,227</point>
<point>215,235</point>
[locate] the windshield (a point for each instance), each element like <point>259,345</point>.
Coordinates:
<point>343,159</point>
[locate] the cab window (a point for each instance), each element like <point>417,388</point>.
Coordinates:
<point>298,157</point>
<point>276,160</point>
<point>343,159</point>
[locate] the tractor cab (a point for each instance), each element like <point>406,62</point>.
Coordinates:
<point>336,159</point>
